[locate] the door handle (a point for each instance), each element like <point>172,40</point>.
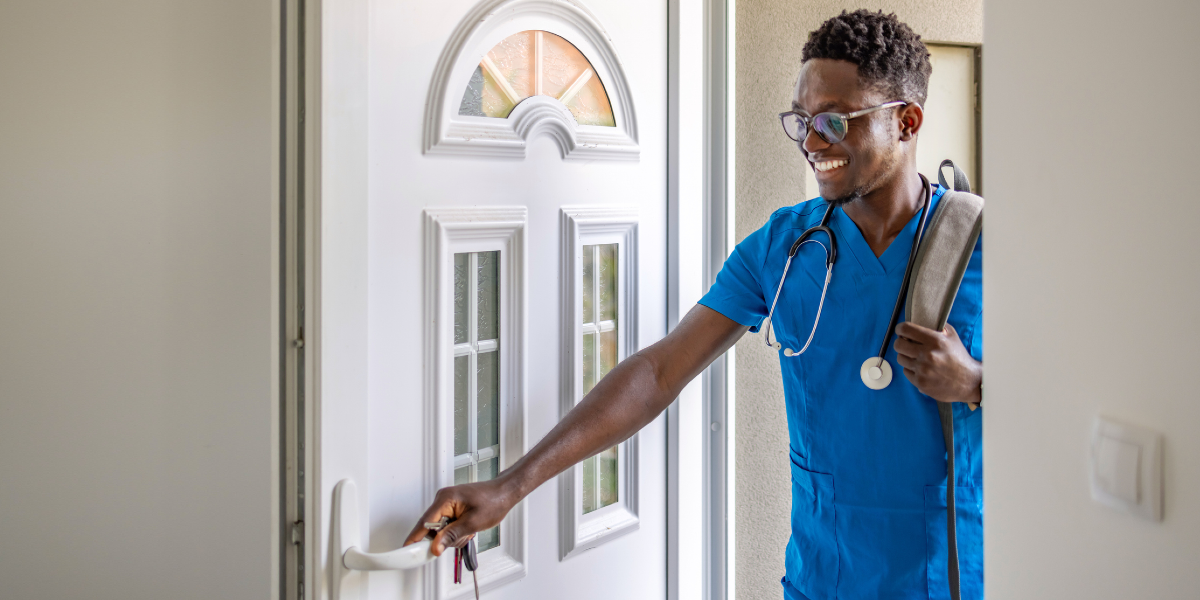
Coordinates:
<point>348,544</point>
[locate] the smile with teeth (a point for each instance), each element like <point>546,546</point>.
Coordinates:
<point>828,165</point>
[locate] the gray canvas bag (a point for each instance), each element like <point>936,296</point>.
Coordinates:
<point>941,262</point>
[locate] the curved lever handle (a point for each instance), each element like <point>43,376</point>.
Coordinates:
<point>346,542</point>
<point>408,557</point>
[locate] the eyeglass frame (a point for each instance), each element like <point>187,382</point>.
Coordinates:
<point>845,117</point>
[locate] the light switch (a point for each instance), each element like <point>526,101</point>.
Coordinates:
<point>1117,468</point>
<point>1126,465</point>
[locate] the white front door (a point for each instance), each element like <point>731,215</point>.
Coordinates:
<point>516,251</point>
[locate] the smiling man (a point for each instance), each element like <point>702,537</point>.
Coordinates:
<point>868,460</point>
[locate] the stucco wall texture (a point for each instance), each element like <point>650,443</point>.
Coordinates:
<point>769,174</point>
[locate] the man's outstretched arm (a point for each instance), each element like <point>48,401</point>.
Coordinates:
<point>627,399</point>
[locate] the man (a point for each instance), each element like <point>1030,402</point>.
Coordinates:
<point>868,466</point>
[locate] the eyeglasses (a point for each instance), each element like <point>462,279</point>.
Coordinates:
<point>830,126</point>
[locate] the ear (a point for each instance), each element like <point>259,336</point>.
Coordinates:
<point>911,117</point>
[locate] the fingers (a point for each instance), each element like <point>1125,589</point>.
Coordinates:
<point>454,535</point>
<point>442,507</point>
<point>906,348</point>
<point>917,333</point>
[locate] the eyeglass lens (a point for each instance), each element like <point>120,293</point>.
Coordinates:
<point>830,126</point>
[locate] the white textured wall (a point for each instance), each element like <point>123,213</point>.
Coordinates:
<point>1092,283</point>
<point>770,174</point>
<point>137,308</point>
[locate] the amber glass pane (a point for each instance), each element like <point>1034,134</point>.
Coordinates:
<point>533,63</point>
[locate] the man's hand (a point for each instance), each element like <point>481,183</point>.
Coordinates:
<point>938,363</point>
<point>472,508</point>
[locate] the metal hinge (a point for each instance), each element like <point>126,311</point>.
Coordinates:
<point>297,533</point>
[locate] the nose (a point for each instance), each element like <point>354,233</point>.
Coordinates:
<point>813,142</point>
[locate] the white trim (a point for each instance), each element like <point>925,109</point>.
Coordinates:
<point>580,226</point>
<point>447,132</point>
<point>474,229</point>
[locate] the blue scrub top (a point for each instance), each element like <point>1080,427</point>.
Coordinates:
<point>868,467</point>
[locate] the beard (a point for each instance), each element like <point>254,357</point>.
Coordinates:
<point>862,188</point>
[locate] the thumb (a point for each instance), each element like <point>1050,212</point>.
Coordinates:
<point>950,331</point>
<point>454,535</point>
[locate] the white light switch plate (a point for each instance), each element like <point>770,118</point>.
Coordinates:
<point>1126,468</point>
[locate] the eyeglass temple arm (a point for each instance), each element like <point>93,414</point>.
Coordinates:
<point>867,111</point>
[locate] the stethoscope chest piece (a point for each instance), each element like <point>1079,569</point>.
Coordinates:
<point>876,373</point>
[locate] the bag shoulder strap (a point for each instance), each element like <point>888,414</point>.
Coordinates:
<point>944,254</point>
<point>941,261</point>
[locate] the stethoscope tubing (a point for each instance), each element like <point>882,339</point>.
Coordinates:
<point>831,257</point>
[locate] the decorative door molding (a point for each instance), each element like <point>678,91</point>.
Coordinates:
<point>471,230</point>
<point>583,227</point>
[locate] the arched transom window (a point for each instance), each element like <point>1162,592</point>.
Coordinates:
<point>536,63</point>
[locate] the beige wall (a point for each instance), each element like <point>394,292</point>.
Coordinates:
<point>770,174</point>
<point>1091,286</point>
<point>137,306</point>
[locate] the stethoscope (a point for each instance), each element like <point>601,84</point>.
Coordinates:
<point>875,372</point>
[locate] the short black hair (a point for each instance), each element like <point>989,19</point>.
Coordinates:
<point>887,52</point>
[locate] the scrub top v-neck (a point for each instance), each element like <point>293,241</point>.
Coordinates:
<point>868,519</point>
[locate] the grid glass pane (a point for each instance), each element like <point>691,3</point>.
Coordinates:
<point>589,284</point>
<point>488,399</point>
<point>488,469</point>
<point>607,279</point>
<point>589,362</point>
<point>486,540</point>
<point>462,475</point>
<point>489,295</point>
<point>462,407</point>
<point>589,485</point>
<point>608,352</point>
<point>461,261</point>
<point>608,476</point>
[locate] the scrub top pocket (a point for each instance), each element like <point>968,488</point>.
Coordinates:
<point>812,554</point>
<point>969,523</point>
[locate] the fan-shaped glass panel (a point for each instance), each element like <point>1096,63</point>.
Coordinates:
<point>536,63</point>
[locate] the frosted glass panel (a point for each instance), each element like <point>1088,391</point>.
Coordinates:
<point>486,540</point>
<point>462,475</point>
<point>461,268</point>
<point>489,295</point>
<point>488,469</point>
<point>607,280</point>
<point>488,380</point>
<point>589,284</point>
<point>589,485</point>
<point>462,408</point>
<point>536,63</point>
<point>608,352</point>
<point>589,362</point>
<point>608,476</point>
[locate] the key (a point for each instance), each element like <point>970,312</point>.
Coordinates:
<point>438,526</point>
<point>471,562</point>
